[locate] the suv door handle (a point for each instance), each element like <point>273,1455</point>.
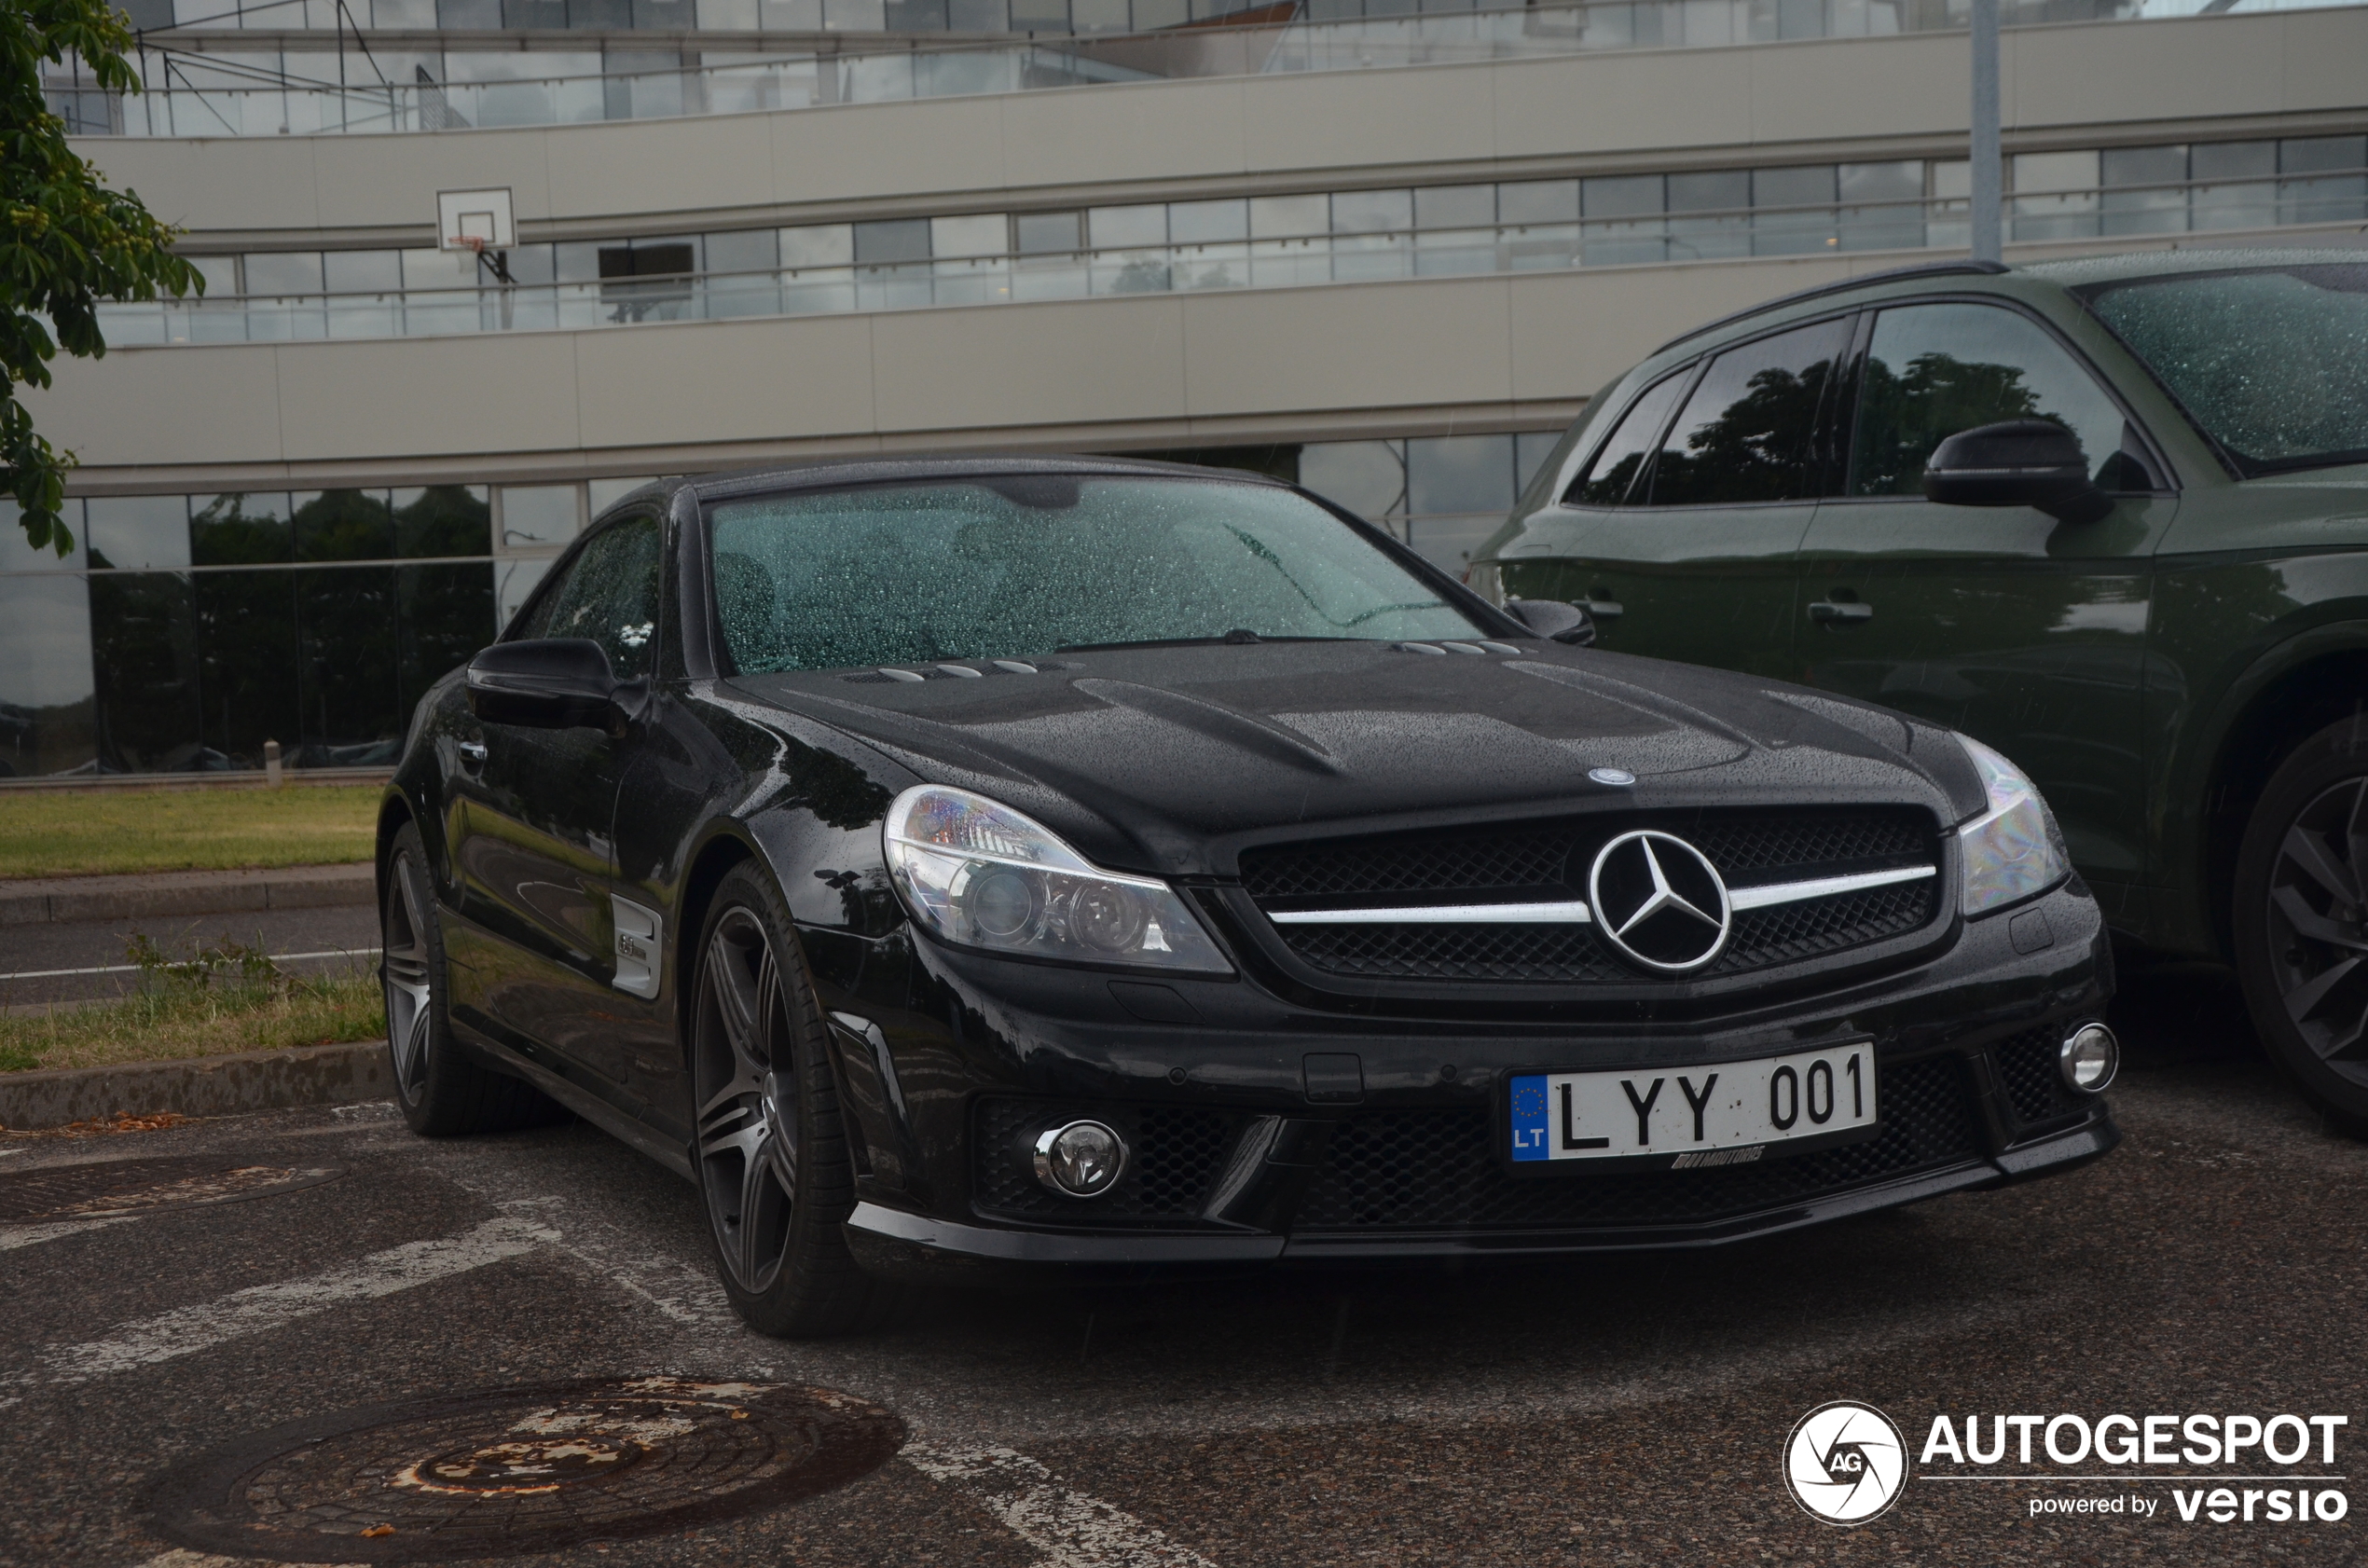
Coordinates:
<point>472,751</point>
<point>1830,613</point>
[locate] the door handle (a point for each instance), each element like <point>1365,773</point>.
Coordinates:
<point>1604,609</point>
<point>1843,613</point>
<point>472,751</point>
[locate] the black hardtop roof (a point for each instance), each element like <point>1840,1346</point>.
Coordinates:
<point>834,472</point>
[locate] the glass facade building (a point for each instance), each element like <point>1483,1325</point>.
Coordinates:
<point>1263,241</point>
<point>185,630</point>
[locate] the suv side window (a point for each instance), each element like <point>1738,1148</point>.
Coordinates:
<point>1630,446</point>
<point>1933,370</point>
<point>1749,431</point>
<point>608,593</point>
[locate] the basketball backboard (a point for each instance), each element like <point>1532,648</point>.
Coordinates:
<point>474,220</point>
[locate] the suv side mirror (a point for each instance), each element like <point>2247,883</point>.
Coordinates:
<point>1553,620</point>
<point>547,684</point>
<point>2020,462</point>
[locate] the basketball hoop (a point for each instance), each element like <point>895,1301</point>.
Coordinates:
<point>474,221</point>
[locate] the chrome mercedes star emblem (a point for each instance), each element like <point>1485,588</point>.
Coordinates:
<point>1659,901</point>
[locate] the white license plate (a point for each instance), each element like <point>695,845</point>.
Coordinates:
<point>1725,1114</point>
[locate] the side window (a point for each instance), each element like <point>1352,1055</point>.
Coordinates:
<point>1607,480</point>
<point>1748,433</point>
<point>610,594</point>
<point>1933,370</point>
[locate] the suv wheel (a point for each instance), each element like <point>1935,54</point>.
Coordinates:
<point>2302,920</point>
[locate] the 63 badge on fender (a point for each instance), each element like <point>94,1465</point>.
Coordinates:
<point>1725,1113</point>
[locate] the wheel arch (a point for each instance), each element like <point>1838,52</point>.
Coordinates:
<point>396,813</point>
<point>2288,695</point>
<point>710,865</point>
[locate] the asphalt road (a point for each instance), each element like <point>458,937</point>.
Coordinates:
<point>1614,1412</point>
<point>32,956</point>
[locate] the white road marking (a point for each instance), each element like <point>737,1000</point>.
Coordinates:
<point>128,968</point>
<point>187,1330</point>
<point>15,1236</point>
<point>686,1294</point>
<point>1072,1530</point>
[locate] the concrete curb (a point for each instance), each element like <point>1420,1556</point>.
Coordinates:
<point>32,902</point>
<point>311,1074</point>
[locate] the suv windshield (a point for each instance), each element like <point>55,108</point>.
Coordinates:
<point>2271,362</point>
<point>1010,566</point>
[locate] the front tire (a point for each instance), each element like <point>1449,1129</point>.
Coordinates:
<point>443,1093</point>
<point>776,1176</point>
<point>2302,921</point>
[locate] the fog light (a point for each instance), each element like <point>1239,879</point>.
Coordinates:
<point>2088,1058</point>
<point>1083,1160</point>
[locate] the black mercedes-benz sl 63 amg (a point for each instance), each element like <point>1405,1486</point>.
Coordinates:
<point>1079,867</point>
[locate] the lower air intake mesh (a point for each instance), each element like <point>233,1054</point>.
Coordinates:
<point>1438,1169</point>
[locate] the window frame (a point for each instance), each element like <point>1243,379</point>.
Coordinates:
<point>1844,440</point>
<point>1822,429</point>
<point>565,563</point>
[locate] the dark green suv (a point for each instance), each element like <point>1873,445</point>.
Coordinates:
<point>2110,517</point>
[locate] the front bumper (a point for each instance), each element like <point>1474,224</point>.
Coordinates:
<point>1248,1159</point>
<point>898,1245</point>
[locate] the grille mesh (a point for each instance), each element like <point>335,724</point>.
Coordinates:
<point>1175,1152</point>
<point>2026,1064</point>
<point>1438,1169</point>
<point>1547,860</point>
<point>1537,855</point>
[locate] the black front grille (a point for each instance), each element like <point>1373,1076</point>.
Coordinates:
<point>1566,953</point>
<point>1549,860</point>
<point>1438,1169</point>
<point>1534,855</point>
<point>2035,1086</point>
<point>1174,1154</point>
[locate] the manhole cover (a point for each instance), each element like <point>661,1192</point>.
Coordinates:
<point>521,1470</point>
<point>114,1187</point>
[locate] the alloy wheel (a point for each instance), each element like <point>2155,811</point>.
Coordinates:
<point>744,1074</point>
<point>2318,927</point>
<point>403,967</point>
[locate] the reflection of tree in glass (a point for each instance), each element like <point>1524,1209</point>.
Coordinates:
<point>1140,276</point>
<point>445,520</point>
<point>1902,415</point>
<point>344,525</point>
<point>1757,448</point>
<point>224,532</point>
<point>1609,488</point>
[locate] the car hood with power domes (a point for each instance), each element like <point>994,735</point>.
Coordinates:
<point>1169,760</point>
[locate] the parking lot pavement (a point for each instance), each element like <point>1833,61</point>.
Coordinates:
<point>31,956</point>
<point>1621,1410</point>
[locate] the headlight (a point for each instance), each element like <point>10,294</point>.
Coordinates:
<point>2012,850</point>
<point>982,874</point>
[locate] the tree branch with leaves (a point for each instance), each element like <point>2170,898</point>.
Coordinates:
<point>67,241</point>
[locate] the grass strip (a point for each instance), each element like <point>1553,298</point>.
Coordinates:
<point>77,832</point>
<point>177,1021</point>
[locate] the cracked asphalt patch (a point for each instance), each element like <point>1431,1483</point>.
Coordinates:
<point>1610,1411</point>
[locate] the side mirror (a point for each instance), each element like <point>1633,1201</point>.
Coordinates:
<point>1553,620</point>
<point>2021,462</point>
<point>550,684</point>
